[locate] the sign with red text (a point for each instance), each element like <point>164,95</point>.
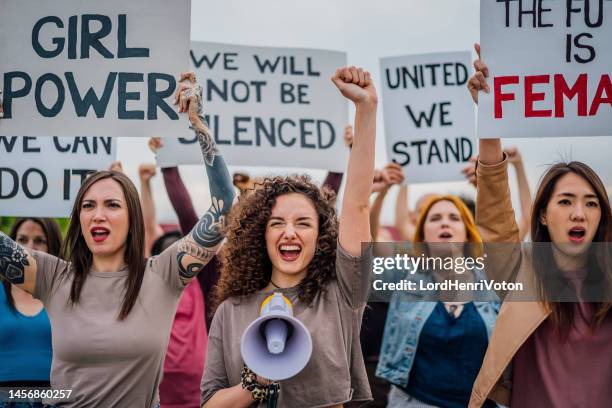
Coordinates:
<point>267,106</point>
<point>40,176</point>
<point>550,66</point>
<point>430,124</point>
<point>92,68</point>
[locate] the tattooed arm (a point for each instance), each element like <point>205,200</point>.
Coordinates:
<point>17,266</point>
<point>202,243</point>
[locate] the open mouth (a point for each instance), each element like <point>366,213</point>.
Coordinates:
<point>289,252</point>
<point>445,235</point>
<point>99,234</point>
<point>577,234</point>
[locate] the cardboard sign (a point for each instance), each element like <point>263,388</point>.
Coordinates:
<point>267,107</point>
<point>550,66</point>
<point>428,115</point>
<point>84,68</point>
<point>40,176</point>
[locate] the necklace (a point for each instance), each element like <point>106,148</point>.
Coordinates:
<point>274,284</point>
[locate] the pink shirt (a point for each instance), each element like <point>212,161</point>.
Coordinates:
<point>184,364</point>
<point>577,372</point>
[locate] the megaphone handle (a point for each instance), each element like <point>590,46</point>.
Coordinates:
<point>273,390</point>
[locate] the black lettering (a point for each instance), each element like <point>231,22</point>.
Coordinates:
<point>332,134</point>
<point>92,40</point>
<point>282,123</point>
<point>304,133</point>
<point>419,144</point>
<point>59,147</point>
<point>418,122</point>
<point>156,97</point>
<point>238,129</point>
<point>15,186</point>
<point>261,128</point>
<point>204,59</point>
<point>25,186</point>
<point>590,49</point>
<point>61,94</point>
<point>266,64</point>
<point>57,41</point>
<point>26,145</point>
<point>444,121</point>
<point>124,96</point>
<point>8,142</point>
<point>10,93</point>
<point>91,100</point>
<point>400,149</point>
<point>122,49</point>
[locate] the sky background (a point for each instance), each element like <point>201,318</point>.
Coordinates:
<point>367,31</point>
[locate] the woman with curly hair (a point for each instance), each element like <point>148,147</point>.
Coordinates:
<point>284,238</point>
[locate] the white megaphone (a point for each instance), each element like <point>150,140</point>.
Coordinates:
<point>276,345</point>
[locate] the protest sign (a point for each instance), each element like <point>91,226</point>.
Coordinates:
<point>40,176</point>
<point>84,68</point>
<point>267,107</point>
<point>428,115</point>
<point>550,66</point>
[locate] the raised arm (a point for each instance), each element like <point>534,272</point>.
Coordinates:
<point>17,265</point>
<point>356,85</point>
<point>383,180</point>
<point>515,158</point>
<point>201,244</point>
<point>147,203</point>
<point>495,217</point>
<point>490,150</point>
<point>177,192</point>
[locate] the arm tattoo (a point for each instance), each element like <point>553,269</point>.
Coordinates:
<point>13,260</point>
<point>208,231</point>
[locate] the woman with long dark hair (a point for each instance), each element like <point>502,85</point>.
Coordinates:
<point>111,310</point>
<point>25,337</point>
<point>284,237</point>
<point>546,352</point>
<point>432,350</point>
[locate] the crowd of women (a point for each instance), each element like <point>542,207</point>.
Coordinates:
<point>90,314</point>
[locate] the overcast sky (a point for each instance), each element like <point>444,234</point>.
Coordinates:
<point>366,30</point>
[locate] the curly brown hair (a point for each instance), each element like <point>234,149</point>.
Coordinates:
<point>245,265</point>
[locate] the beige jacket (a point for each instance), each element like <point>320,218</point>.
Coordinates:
<point>516,320</point>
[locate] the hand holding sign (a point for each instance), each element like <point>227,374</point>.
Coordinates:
<point>478,82</point>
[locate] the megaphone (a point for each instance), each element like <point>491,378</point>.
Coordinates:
<point>276,345</point>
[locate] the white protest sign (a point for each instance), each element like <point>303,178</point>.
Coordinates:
<point>91,68</point>
<point>550,64</point>
<point>40,176</point>
<point>267,107</point>
<point>428,114</point>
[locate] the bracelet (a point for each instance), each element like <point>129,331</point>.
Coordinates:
<point>249,382</point>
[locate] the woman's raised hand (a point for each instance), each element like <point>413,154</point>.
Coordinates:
<point>188,97</point>
<point>355,84</point>
<point>478,81</point>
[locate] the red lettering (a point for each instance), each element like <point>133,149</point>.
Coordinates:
<point>531,97</point>
<point>605,86</point>
<point>579,88</point>
<point>498,96</point>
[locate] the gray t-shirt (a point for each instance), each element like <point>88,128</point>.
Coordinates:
<point>104,361</point>
<point>335,373</point>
